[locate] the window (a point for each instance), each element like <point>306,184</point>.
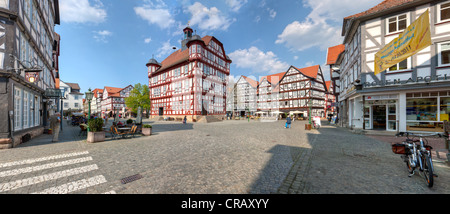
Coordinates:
<point>397,23</point>
<point>444,53</point>
<point>403,65</point>
<point>17,108</point>
<point>444,12</point>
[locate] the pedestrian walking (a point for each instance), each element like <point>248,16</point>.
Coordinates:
<point>55,120</point>
<point>184,119</point>
<point>288,122</point>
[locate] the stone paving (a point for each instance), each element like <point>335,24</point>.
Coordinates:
<point>235,157</point>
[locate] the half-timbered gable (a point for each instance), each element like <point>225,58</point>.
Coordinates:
<point>245,92</point>
<point>409,96</point>
<point>190,81</point>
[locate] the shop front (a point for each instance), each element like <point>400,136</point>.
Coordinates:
<point>380,112</point>
<point>427,111</point>
<point>407,111</point>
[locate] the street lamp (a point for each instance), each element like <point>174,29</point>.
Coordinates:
<point>89,95</point>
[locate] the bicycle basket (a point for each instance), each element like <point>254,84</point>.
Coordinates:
<point>399,148</point>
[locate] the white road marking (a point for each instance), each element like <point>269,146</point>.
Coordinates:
<point>74,186</point>
<point>30,161</point>
<point>42,178</point>
<point>42,167</point>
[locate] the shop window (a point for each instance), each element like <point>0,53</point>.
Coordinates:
<point>444,109</point>
<point>421,114</point>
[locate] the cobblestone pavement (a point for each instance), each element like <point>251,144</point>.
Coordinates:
<point>221,157</point>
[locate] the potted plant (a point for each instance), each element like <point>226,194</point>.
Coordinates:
<point>96,133</point>
<point>147,129</point>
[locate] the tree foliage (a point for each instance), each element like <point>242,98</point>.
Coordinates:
<point>139,96</point>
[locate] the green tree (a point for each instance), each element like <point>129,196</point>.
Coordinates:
<point>139,96</point>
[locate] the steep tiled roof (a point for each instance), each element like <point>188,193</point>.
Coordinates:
<point>333,53</point>
<point>73,85</point>
<point>328,84</point>
<point>252,82</point>
<point>180,56</point>
<point>113,91</point>
<point>97,91</point>
<point>274,78</point>
<point>310,71</point>
<point>386,4</point>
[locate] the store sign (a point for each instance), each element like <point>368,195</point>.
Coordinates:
<point>413,39</point>
<point>419,79</point>
<point>52,93</point>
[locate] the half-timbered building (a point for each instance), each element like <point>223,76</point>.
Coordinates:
<point>245,96</point>
<point>191,81</point>
<point>299,91</point>
<point>413,95</point>
<point>29,49</point>
<point>113,100</point>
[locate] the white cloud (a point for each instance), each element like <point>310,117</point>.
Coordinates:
<point>156,13</point>
<point>272,13</point>
<point>101,36</point>
<point>322,27</point>
<point>147,40</point>
<point>235,5</point>
<point>81,11</point>
<point>299,36</point>
<point>258,61</point>
<point>165,49</point>
<point>208,18</point>
<point>257,19</point>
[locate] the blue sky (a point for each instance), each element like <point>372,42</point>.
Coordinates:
<point>108,42</point>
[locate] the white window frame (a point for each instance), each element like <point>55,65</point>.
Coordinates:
<point>439,12</point>
<point>396,16</point>
<point>439,47</point>
<point>37,116</point>
<point>408,66</point>
<point>17,108</point>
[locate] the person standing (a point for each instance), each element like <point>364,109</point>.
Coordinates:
<point>184,119</point>
<point>288,122</point>
<point>55,120</point>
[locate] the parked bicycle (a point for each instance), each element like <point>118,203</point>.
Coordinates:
<point>417,154</point>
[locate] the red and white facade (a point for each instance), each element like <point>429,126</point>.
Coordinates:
<point>191,81</point>
<point>113,100</point>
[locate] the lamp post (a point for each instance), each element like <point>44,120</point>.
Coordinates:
<point>63,93</point>
<point>89,95</point>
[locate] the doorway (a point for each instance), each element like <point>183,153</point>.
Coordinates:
<point>379,117</point>
<point>161,111</point>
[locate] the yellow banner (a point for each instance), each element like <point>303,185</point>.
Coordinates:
<point>413,39</point>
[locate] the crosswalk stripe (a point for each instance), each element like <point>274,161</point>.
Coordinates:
<point>30,161</point>
<point>45,166</point>
<point>47,177</point>
<point>74,186</point>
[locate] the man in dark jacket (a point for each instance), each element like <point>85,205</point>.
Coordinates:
<point>288,122</point>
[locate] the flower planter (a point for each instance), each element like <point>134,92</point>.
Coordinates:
<point>146,131</point>
<point>93,137</point>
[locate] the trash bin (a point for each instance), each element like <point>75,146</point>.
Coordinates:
<point>307,126</point>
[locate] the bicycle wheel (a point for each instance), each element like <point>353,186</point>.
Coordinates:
<point>408,164</point>
<point>428,169</point>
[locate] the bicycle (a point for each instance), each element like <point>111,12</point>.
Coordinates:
<point>417,156</point>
